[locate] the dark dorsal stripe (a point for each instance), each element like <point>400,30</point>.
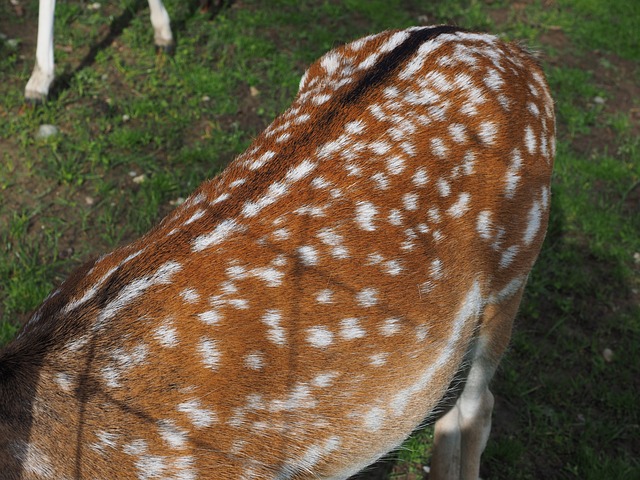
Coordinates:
<point>328,121</point>
<point>391,62</point>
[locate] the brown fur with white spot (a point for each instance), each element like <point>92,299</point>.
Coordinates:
<point>300,314</point>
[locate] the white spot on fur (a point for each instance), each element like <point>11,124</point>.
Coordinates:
<point>534,219</point>
<point>308,255</point>
<point>312,456</point>
<point>367,297</point>
<point>410,201</point>
<point>166,335</point>
<point>530,140</point>
<point>105,440</point>
<point>319,336</point>
<point>172,435</point>
<point>321,98</point>
<point>190,295</point>
<point>507,291</point>
<point>324,296</point>
<point>395,165</point>
<point>395,217</point>
<point>420,178</point>
<point>487,132</point>
<point>330,62</point>
<point>461,206</point>
<point>393,267</point>
<point>351,329</point>
<point>378,359</point>
<point>365,215</point>
<point>416,62</point>
<point>210,317</point>
<point>435,269</point>
<point>260,161</point>
<point>438,147</point>
<point>513,177</point>
<point>281,234</point>
<point>196,215</point>
<point>198,416</point>
<point>271,276</point>
<point>381,180</point>
<point>374,419</point>
<point>254,361</point>
<point>276,333</point>
<point>324,380</point>
<point>209,353</point>
<point>434,214</point>
<point>444,188</point>
<point>390,326</point>
<point>508,255</point>
<point>355,127</point>
<point>394,41</point>
<point>458,132</point>
<point>484,225</point>
<point>222,232</point>
<point>64,381</point>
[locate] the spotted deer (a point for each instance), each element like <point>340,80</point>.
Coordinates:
<point>42,77</point>
<point>301,313</point>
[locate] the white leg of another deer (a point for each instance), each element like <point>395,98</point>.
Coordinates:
<point>43,72</point>
<point>162,34</point>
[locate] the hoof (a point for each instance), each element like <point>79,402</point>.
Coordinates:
<point>169,49</point>
<point>34,98</point>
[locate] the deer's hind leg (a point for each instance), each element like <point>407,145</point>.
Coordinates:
<point>462,433</point>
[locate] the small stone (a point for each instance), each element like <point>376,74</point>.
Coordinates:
<point>126,118</point>
<point>139,179</point>
<point>133,173</point>
<point>598,100</point>
<point>94,6</point>
<point>46,131</point>
<point>636,258</point>
<point>254,91</point>
<point>66,253</point>
<point>89,200</point>
<point>206,98</point>
<point>607,354</point>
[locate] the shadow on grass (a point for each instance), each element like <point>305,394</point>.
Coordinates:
<point>558,397</point>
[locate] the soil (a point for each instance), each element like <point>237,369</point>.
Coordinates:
<point>616,80</point>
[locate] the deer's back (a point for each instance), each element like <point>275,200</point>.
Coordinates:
<point>306,309</point>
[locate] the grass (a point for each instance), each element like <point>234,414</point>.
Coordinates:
<point>564,410</point>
